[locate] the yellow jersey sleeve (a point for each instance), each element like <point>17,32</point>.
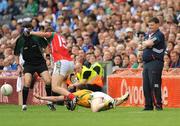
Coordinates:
<point>84,97</point>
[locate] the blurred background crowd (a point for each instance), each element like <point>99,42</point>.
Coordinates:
<point>96,30</point>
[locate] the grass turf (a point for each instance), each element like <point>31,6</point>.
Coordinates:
<point>11,115</point>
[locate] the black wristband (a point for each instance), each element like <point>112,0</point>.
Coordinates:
<point>19,65</point>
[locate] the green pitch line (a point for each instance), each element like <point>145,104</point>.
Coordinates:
<point>11,115</point>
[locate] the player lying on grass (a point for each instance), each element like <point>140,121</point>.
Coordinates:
<point>97,101</point>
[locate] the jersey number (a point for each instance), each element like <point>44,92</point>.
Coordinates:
<point>62,42</point>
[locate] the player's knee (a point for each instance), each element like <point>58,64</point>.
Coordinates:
<point>54,88</point>
<point>48,82</point>
<point>27,83</point>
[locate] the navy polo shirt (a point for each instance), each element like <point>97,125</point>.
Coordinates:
<point>156,52</point>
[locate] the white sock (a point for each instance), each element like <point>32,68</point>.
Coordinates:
<point>49,102</point>
<point>23,106</point>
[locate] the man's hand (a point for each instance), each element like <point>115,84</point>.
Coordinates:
<point>37,96</point>
<point>143,45</point>
<point>71,86</point>
<point>19,70</point>
<point>26,32</point>
<point>147,44</point>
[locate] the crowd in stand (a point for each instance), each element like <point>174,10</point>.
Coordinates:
<point>106,30</point>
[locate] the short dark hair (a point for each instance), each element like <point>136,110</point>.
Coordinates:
<point>27,24</point>
<point>49,29</point>
<point>155,20</point>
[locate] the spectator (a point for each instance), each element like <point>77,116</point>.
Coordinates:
<point>177,49</point>
<point>177,41</point>
<point>50,17</point>
<point>75,50</point>
<point>87,41</point>
<point>15,35</point>
<point>170,46</point>
<point>31,8</point>
<point>87,60</point>
<point>139,59</point>
<point>79,41</point>
<point>53,5</point>
<point>133,60</point>
<point>100,25</point>
<point>117,61</point>
<point>59,9</point>
<point>13,24</point>
<point>107,56</point>
<point>117,27</point>
<point>3,6</point>
<point>89,6</point>
<point>126,63</point>
<point>59,23</point>
<point>12,9</point>
<point>129,50</point>
<point>75,22</point>
<point>6,29</point>
<point>77,34</point>
<point>11,65</point>
<point>96,66</point>
<point>35,24</point>
<point>87,78</point>
<point>167,61</point>
<point>175,60</point>
<point>98,54</point>
<point>94,36</point>
<point>82,57</point>
<point>1,61</point>
<point>172,37</point>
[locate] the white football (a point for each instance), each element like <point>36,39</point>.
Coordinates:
<point>6,89</point>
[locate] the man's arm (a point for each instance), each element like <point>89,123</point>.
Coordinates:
<point>83,81</point>
<point>19,69</point>
<point>148,43</point>
<point>152,41</point>
<point>41,34</point>
<point>16,59</point>
<point>49,98</point>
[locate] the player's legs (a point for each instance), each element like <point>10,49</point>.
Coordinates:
<point>47,79</point>
<point>101,101</point>
<point>61,70</point>
<point>97,104</point>
<point>121,99</point>
<point>25,91</point>
<point>60,73</point>
<point>57,83</point>
<point>43,71</point>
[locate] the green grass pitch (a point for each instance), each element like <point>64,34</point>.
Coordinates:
<point>11,115</point>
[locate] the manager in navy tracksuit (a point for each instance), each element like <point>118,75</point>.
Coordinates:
<point>153,53</point>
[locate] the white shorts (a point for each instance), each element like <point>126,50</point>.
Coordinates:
<point>63,67</point>
<point>102,95</point>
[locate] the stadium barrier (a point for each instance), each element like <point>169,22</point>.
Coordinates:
<point>131,80</point>
<point>118,83</point>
